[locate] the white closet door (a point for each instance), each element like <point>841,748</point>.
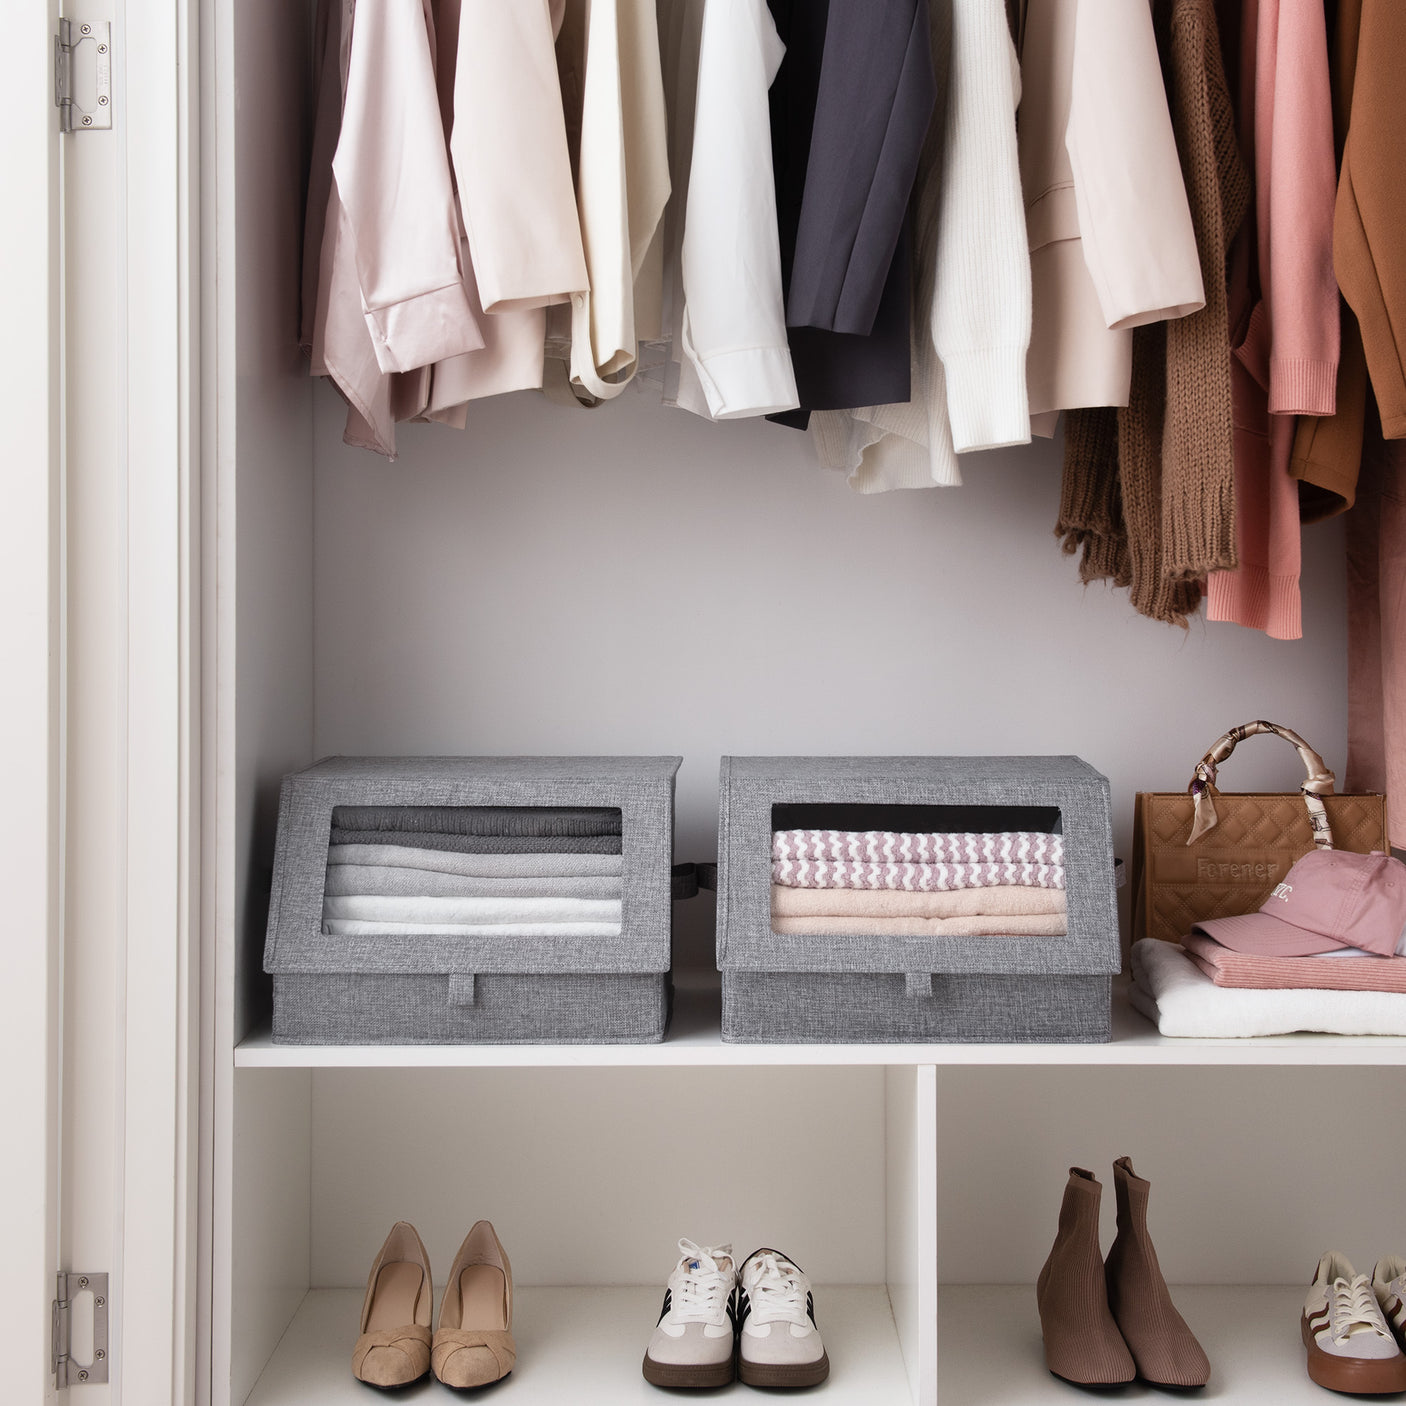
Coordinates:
<point>97,559</point>
<point>28,699</point>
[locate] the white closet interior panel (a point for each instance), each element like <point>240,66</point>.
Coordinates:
<point>590,1176</point>
<point>630,579</point>
<point>1245,1164</point>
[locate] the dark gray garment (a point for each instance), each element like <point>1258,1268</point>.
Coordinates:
<point>541,821</point>
<point>873,106</point>
<point>850,109</point>
<point>837,370</point>
<point>481,844</point>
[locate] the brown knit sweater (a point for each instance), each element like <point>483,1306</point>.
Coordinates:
<point>1149,491</point>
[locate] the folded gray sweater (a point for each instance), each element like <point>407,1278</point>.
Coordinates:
<point>543,822</point>
<point>481,844</point>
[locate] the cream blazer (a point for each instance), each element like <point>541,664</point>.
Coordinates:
<point>1111,241</point>
<point>613,89</point>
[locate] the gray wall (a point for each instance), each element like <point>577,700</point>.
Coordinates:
<point>632,579</point>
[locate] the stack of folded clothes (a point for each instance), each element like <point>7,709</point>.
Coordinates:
<point>473,871</point>
<point>895,884</point>
<point>1326,952</point>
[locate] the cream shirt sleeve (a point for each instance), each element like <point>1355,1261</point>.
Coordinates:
<point>397,201</point>
<point>510,156</point>
<point>981,304</point>
<point>733,328</point>
<point>622,187</point>
<point>1138,240</point>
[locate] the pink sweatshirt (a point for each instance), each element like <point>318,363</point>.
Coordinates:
<point>1286,363</point>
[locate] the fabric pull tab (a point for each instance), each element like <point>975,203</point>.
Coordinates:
<point>918,985</point>
<point>461,988</point>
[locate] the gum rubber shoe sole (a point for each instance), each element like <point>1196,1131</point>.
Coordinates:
<point>695,1376</point>
<point>788,1374</point>
<point>1354,1376</point>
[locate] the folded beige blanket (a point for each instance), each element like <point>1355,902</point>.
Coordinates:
<point>976,925</point>
<point>1003,901</point>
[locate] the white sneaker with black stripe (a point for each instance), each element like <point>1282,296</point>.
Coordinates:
<point>1389,1282</point>
<point>694,1344</point>
<point>778,1344</point>
<point>1350,1347</point>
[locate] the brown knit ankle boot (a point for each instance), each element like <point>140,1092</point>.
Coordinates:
<point>1164,1348</point>
<point>1082,1342</point>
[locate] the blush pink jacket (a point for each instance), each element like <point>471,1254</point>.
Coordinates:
<point>1287,361</point>
<point>392,183</point>
<point>390,293</point>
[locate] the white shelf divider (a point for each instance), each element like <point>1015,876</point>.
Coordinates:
<point>694,1040</point>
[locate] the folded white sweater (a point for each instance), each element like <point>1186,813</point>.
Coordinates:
<point>359,880</point>
<point>439,912</point>
<point>480,866</point>
<point>1171,990</point>
<point>340,927</point>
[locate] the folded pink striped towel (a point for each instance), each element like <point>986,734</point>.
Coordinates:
<point>914,878</point>
<point>901,847</point>
<point>1331,973</point>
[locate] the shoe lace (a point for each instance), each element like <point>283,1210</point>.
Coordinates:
<point>1354,1306</point>
<point>777,1290</point>
<point>700,1284</point>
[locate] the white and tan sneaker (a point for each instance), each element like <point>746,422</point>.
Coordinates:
<point>1350,1347</point>
<point>1389,1282</point>
<point>694,1344</point>
<point>778,1344</point>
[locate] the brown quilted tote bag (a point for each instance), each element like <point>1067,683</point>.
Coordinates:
<point>1204,854</point>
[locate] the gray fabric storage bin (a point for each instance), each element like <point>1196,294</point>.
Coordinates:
<point>847,988</point>
<point>430,988</point>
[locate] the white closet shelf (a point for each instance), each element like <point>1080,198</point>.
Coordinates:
<point>694,1041</point>
<point>989,1351</point>
<point>582,1346</point>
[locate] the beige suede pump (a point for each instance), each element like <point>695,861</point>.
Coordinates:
<point>394,1346</point>
<point>473,1344</point>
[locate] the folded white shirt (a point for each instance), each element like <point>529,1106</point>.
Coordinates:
<point>440,912</point>
<point>359,880</point>
<point>339,927</point>
<point>480,866</point>
<point>1171,990</point>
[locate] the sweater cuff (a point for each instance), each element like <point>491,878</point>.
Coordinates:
<point>1258,599</point>
<point>424,329</point>
<point>1302,386</point>
<point>987,402</point>
<point>752,381</point>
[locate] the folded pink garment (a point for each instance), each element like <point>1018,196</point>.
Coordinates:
<point>1245,969</point>
<point>1010,925</point>
<point>889,903</point>
<point>914,878</point>
<point>900,847</point>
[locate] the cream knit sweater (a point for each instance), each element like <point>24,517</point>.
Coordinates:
<point>971,323</point>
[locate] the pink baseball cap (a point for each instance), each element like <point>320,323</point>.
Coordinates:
<point>1330,899</point>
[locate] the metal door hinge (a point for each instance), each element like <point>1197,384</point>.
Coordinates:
<point>67,1372</point>
<point>93,107</point>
